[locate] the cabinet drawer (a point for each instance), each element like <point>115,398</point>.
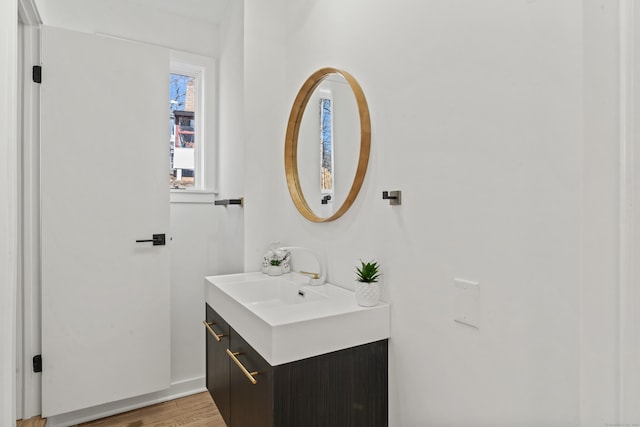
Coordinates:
<point>251,404</point>
<point>218,361</point>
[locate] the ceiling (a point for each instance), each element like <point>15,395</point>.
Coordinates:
<point>210,11</point>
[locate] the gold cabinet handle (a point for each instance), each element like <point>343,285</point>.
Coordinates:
<point>244,370</point>
<point>211,331</point>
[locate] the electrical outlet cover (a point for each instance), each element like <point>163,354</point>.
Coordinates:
<point>466,302</point>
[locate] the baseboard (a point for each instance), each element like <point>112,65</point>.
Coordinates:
<point>177,390</point>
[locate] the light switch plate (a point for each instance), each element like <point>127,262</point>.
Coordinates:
<point>466,301</point>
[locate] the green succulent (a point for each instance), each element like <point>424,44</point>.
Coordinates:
<point>368,272</point>
<point>275,262</point>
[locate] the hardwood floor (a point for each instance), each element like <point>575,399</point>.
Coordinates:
<point>31,422</point>
<point>197,410</point>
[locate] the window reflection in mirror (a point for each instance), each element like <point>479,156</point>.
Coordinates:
<point>326,147</point>
<point>331,123</point>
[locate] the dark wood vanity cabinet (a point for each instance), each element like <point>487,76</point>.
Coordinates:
<point>345,388</point>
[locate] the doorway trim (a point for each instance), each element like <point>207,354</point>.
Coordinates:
<point>629,232</point>
<point>28,292</point>
<point>8,210</point>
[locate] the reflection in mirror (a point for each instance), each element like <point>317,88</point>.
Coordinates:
<point>327,145</point>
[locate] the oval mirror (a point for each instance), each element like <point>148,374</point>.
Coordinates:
<point>327,145</point>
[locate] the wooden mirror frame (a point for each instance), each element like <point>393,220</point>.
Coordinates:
<point>291,143</point>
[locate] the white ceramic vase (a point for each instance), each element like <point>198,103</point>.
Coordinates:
<point>367,294</point>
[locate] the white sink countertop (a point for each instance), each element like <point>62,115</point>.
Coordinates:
<point>286,320</point>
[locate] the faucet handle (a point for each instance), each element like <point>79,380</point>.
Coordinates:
<point>310,274</point>
<point>314,278</point>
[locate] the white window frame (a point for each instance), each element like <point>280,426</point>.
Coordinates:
<point>202,69</point>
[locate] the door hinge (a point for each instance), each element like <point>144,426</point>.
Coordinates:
<point>37,74</point>
<point>37,363</point>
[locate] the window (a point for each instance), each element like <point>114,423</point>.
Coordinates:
<point>182,130</point>
<point>191,129</point>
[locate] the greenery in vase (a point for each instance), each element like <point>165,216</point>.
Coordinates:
<point>368,272</point>
<point>278,257</point>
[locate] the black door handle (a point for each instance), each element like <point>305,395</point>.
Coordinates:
<point>158,240</point>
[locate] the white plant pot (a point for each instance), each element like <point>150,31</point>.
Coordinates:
<point>367,294</point>
<point>275,270</point>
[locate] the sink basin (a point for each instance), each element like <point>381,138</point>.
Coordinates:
<point>272,292</point>
<point>286,320</point>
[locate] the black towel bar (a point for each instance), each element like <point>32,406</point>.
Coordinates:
<point>227,202</point>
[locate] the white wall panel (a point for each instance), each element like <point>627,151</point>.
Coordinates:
<point>476,111</point>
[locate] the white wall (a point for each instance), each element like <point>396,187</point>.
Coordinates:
<point>600,217</point>
<point>8,209</point>
<point>195,233</point>
<point>264,110</point>
<point>134,21</point>
<point>477,116</point>
<point>230,257</point>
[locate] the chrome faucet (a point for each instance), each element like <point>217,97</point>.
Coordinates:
<point>314,278</point>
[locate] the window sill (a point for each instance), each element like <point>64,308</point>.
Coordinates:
<point>192,196</point>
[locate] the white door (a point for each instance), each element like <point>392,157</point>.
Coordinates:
<point>104,184</point>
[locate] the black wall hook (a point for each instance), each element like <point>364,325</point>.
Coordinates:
<point>394,197</point>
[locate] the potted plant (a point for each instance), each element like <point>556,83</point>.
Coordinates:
<point>275,263</point>
<point>275,269</point>
<point>367,289</point>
